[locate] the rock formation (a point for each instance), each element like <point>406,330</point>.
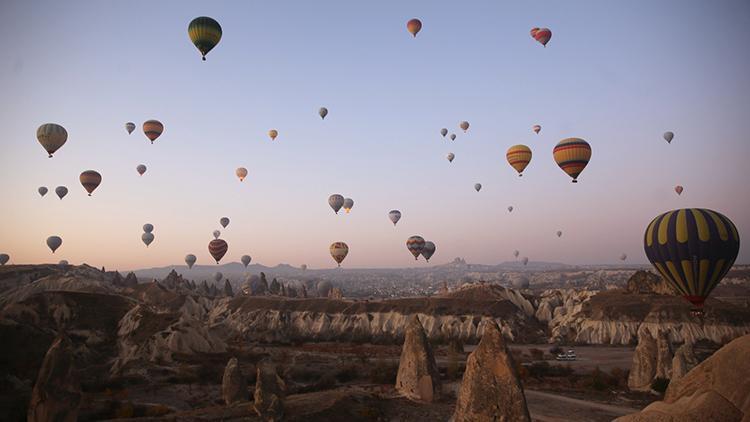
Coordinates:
<point>335,293</point>
<point>233,384</point>
<point>646,282</point>
<point>275,287</point>
<point>56,395</point>
<point>684,360</point>
<point>130,280</point>
<point>228,289</point>
<point>269,393</point>
<point>663,356</point>
<point>717,390</point>
<point>490,389</point>
<point>418,377</point>
<point>643,370</point>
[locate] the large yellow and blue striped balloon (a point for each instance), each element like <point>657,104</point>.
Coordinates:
<point>693,249</point>
<point>205,33</point>
<point>572,155</point>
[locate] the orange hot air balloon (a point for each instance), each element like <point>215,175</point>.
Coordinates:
<point>572,155</point>
<point>90,180</point>
<point>519,156</point>
<point>542,35</point>
<point>152,129</point>
<point>273,133</point>
<point>414,26</point>
<point>217,248</point>
<point>678,189</point>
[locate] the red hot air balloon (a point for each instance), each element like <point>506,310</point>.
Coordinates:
<point>679,189</point>
<point>152,129</point>
<point>542,35</point>
<point>217,248</point>
<point>414,26</point>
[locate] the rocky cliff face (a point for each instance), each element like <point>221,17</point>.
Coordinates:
<point>418,377</point>
<point>56,395</point>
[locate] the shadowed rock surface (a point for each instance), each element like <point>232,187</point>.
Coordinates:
<point>56,395</point>
<point>644,363</point>
<point>233,384</point>
<point>269,393</point>
<point>418,377</point>
<point>684,360</point>
<point>490,389</point>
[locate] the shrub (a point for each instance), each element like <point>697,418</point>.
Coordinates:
<point>660,384</point>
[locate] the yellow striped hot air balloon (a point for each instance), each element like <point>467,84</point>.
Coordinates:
<point>693,249</point>
<point>90,180</point>
<point>519,156</point>
<point>205,33</point>
<point>572,155</point>
<point>152,129</point>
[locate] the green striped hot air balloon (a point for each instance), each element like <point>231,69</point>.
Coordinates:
<point>205,33</point>
<point>693,249</point>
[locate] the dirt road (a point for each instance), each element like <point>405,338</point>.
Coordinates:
<point>549,407</point>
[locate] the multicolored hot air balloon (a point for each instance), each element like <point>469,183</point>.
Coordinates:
<point>572,155</point>
<point>477,187</point>
<point>428,250</point>
<point>4,258</point>
<point>518,156</point>
<point>415,244</point>
<point>130,127</point>
<point>542,35</point>
<point>453,136</point>
<point>61,191</point>
<point>216,234</point>
<point>394,216</point>
<point>52,136</point>
<point>224,221</point>
<point>464,126</point>
<point>336,201</point>
<point>339,250</point>
<point>245,260</point>
<point>679,189</point>
<point>241,172</point>
<point>693,249</point>
<point>190,260</point>
<point>323,112</point>
<point>536,129</point>
<point>152,129</point>
<point>148,228</point>
<point>273,133</point>
<point>42,190</point>
<point>414,26</point>
<point>443,132</point>
<point>205,33</point>
<point>90,180</point>
<point>54,242</point>
<point>147,238</point>
<point>668,136</point>
<point>217,248</point>
<point>450,156</point>
<point>348,204</point>
<point>140,169</point>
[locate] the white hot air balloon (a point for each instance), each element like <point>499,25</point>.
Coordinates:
<point>394,216</point>
<point>216,234</point>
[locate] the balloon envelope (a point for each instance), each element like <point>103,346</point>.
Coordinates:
<point>515,253</point>
<point>152,129</point>
<point>90,180</point>
<point>336,201</point>
<point>477,186</point>
<point>140,169</point>
<point>61,191</point>
<point>428,250</point>
<point>147,238</point>
<point>536,128</point>
<point>678,189</point>
<point>518,156</point>
<point>54,242</point>
<point>42,190</point>
<point>443,132</point>
<point>559,233</point>
<point>668,136</point>
<point>52,136</point>
<point>190,260</point>
<point>148,228</point>
<point>572,155</point>
<point>464,125</point>
<point>339,250</point>
<point>542,35</point>
<point>205,33</point>
<point>525,260</point>
<point>415,244</point>
<point>510,208</point>
<point>453,136</point>
<point>217,248</point>
<point>450,156</point>
<point>224,221</point>
<point>693,249</point>
<point>216,234</point>
<point>245,259</point>
<point>4,258</point>
<point>623,257</point>
<point>348,204</point>
<point>394,216</point>
<point>130,127</point>
<point>218,276</point>
<point>241,172</point>
<point>273,133</point>
<point>414,26</point>
<point>323,112</point>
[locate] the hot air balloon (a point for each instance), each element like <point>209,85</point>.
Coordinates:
<point>205,33</point>
<point>559,233</point>
<point>147,238</point>
<point>477,186</point>
<point>525,260</point>
<point>339,250</point>
<point>273,133</point>
<point>4,258</point>
<point>336,201</point>
<point>415,244</point>
<point>217,248</point>
<point>453,136</point>
<point>140,169</point>
<point>443,132</point>
<point>518,156</point>
<point>348,204</point>
<point>303,267</point>
<point>52,136</point>
<point>678,189</point>
<point>450,156</point>
<point>542,35</point>
<point>693,249</point>
<point>148,228</point>
<point>224,221</point>
<point>536,129</point>
<point>42,190</point>
<point>414,26</point>
<point>218,276</point>
<point>241,172</point>
<point>428,250</point>
<point>394,216</point>
<point>245,259</point>
<point>90,180</point>
<point>61,191</point>
<point>54,242</point>
<point>515,253</point>
<point>216,234</point>
<point>623,257</point>
<point>130,127</point>
<point>63,263</point>
<point>323,112</point>
<point>464,126</point>
<point>572,155</point>
<point>190,260</point>
<point>510,208</point>
<point>668,136</point>
<point>152,129</point>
